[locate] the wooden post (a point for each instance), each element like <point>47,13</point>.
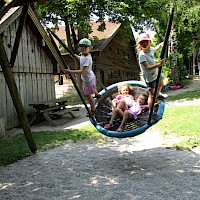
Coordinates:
<point>6,7</point>
<point>5,65</point>
<point>194,55</point>
<point>18,34</point>
<point>2,127</point>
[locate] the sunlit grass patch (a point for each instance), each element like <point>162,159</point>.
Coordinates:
<point>16,148</point>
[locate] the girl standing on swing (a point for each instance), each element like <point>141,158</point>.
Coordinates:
<point>87,75</point>
<point>147,62</point>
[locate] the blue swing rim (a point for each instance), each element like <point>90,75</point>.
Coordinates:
<point>133,132</point>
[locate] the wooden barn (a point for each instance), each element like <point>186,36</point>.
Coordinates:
<point>34,65</point>
<point>114,56</point>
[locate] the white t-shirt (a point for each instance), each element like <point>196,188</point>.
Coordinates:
<point>86,61</point>
<point>149,75</point>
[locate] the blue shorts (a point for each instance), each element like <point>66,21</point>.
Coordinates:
<point>151,84</point>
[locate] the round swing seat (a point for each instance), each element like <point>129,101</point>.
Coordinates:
<point>132,128</point>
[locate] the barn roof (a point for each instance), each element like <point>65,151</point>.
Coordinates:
<point>14,13</point>
<point>104,37</point>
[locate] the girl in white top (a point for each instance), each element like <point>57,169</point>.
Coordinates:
<point>147,63</point>
<point>87,75</point>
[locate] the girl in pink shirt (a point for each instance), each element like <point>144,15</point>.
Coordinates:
<point>132,113</point>
<point>124,99</point>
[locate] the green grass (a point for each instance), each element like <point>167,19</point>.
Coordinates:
<point>185,96</point>
<point>16,148</point>
<point>73,98</point>
<point>182,122</point>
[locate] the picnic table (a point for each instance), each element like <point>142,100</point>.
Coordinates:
<point>52,109</point>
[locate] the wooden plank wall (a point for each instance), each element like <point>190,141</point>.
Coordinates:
<point>33,73</point>
<point>117,60</point>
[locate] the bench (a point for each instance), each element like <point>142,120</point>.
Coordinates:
<point>52,109</point>
<point>66,110</point>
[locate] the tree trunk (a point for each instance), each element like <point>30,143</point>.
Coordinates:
<point>174,54</point>
<point>68,35</point>
<point>74,38</point>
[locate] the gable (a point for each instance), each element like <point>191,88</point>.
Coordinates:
<point>15,13</point>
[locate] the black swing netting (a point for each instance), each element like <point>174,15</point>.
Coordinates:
<point>104,110</point>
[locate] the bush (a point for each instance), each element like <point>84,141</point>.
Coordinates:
<point>183,72</point>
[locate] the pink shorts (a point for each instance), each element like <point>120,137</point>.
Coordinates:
<point>89,87</point>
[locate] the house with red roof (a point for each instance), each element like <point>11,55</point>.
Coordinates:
<point>114,55</point>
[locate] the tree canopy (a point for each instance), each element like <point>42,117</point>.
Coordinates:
<point>141,14</point>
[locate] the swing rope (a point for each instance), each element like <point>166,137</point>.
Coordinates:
<point>162,55</point>
<point>71,77</point>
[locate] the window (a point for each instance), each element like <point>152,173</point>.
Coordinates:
<point>110,48</point>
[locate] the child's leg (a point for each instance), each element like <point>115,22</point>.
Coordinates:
<point>122,105</point>
<point>114,104</point>
<point>126,116</point>
<point>150,98</point>
<point>91,101</point>
<point>116,112</point>
<point>96,93</point>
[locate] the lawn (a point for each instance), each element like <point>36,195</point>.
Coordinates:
<point>16,148</point>
<point>181,122</point>
<point>184,96</point>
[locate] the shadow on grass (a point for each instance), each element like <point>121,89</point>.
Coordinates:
<point>16,148</point>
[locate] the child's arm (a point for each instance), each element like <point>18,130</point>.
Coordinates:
<point>80,71</point>
<point>148,67</point>
<point>158,47</point>
<point>77,56</point>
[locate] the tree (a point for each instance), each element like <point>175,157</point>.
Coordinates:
<point>142,14</point>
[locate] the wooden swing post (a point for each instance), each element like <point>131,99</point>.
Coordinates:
<point>18,34</point>
<point>9,78</point>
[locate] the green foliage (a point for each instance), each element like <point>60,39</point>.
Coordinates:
<point>181,67</point>
<point>183,72</point>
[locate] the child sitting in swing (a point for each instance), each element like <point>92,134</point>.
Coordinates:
<point>138,107</point>
<point>124,99</point>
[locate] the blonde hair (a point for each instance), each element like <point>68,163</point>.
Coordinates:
<point>121,86</point>
<point>139,48</point>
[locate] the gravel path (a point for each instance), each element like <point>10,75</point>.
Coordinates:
<point>115,169</point>
<point>139,168</point>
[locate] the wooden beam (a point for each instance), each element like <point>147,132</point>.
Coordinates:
<point>5,65</point>
<point>6,7</point>
<point>18,34</point>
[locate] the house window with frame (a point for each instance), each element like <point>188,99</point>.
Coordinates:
<point>110,48</point>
